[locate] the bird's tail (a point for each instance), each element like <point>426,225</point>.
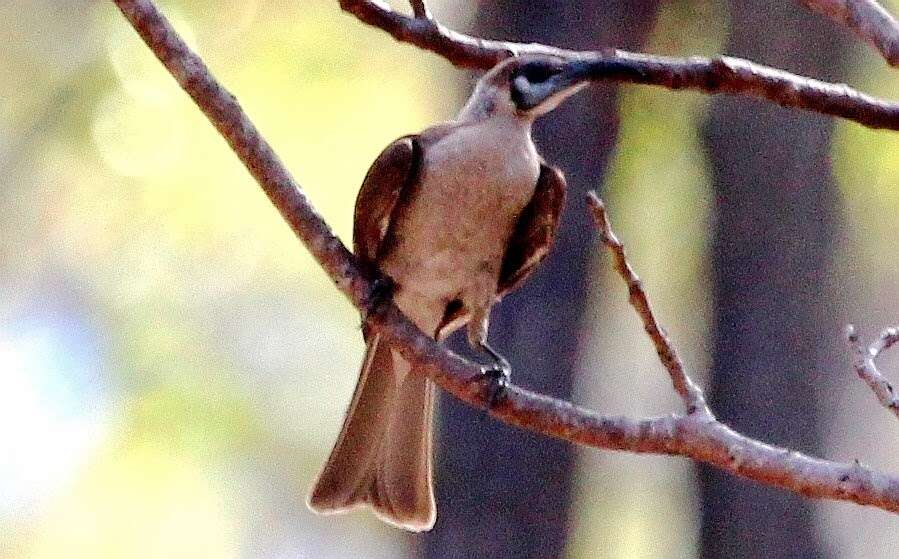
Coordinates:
<point>382,457</point>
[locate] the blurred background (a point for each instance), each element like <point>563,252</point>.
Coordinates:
<point>174,367</point>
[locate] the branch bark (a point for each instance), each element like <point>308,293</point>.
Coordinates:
<point>694,436</point>
<point>420,9</point>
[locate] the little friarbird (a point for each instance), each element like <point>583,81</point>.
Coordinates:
<point>456,216</point>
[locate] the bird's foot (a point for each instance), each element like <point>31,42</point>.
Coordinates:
<point>496,376</point>
<point>380,294</point>
<point>496,379</point>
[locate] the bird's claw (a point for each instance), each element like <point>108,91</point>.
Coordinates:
<point>381,290</point>
<point>379,294</point>
<point>496,377</point>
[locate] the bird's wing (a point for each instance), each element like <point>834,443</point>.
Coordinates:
<point>535,230</point>
<point>394,171</point>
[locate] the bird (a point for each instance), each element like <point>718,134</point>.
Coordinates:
<point>455,217</point>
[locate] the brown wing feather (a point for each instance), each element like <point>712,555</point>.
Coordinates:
<point>395,169</point>
<point>529,244</point>
<point>535,231</point>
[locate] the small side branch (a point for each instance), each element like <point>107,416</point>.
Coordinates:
<point>689,391</point>
<point>420,9</point>
<point>867,19</point>
<point>866,367</point>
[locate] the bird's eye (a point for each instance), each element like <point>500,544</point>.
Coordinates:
<point>532,82</point>
<point>539,72</point>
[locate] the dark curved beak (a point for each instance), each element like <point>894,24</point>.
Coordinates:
<point>597,69</point>
<point>573,76</point>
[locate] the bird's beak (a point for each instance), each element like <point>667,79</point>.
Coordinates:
<point>596,69</point>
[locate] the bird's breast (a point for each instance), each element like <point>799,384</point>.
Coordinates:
<point>480,178</point>
<point>474,183</point>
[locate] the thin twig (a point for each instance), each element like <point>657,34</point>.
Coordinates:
<point>724,74</point>
<point>689,391</point>
<point>420,9</point>
<point>691,436</point>
<point>866,368</point>
<point>867,19</point>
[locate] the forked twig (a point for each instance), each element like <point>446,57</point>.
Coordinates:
<point>866,367</point>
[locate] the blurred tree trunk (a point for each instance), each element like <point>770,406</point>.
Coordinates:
<point>778,223</point>
<point>503,492</point>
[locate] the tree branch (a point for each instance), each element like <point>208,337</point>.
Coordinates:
<point>723,74</point>
<point>867,19</point>
<point>866,368</point>
<point>690,393</point>
<point>694,436</point>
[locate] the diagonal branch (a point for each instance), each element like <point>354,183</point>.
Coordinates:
<point>723,74</point>
<point>693,436</point>
<point>867,19</point>
<point>689,391</point>
<point>866,367</point>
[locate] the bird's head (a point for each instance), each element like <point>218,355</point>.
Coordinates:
<point>526,87</point>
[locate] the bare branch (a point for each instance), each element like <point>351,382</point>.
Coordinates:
<point>690,392</point>
<point>693,436</point>
<point>724,74</point>
<point>866,368</point>
<point>867,19</point>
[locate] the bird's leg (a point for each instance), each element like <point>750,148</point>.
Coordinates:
<point>379,295</point>
<point>500,364</point>
<point>497,374</point>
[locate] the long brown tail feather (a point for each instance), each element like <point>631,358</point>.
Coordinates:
<point>383,454</point>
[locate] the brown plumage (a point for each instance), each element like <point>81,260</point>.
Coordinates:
<point>457,216</point>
